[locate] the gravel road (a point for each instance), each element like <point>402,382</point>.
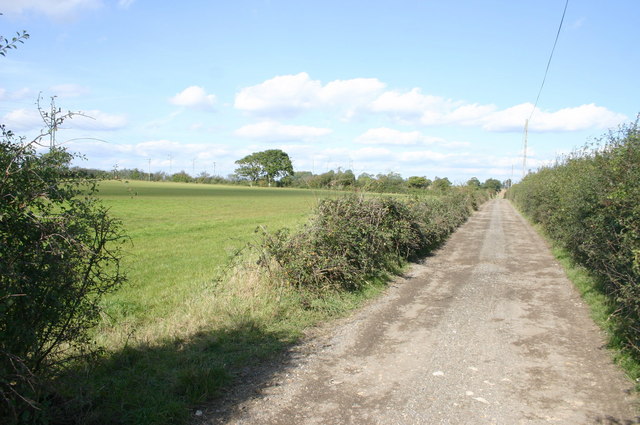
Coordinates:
<point>486,331</point>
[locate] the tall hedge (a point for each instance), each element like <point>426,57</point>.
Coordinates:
<point>353,238</point>
<point>590,203</point>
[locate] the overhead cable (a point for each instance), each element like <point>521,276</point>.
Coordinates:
<point>550,57</point>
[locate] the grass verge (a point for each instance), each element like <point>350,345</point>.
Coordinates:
<point>243,321</point>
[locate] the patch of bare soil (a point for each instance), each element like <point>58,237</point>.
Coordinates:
<point>487,331</point>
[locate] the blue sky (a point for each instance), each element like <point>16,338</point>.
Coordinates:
<point>427,88</point>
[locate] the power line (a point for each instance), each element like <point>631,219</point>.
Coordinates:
<point>544,79</point>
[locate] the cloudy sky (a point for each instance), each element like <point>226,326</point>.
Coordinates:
<point>416,87</point>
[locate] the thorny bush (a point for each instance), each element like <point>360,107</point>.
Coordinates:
<point>354,238</point>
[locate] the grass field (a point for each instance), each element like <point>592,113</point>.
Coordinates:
<point>183,236</point>
<point>186,321</point>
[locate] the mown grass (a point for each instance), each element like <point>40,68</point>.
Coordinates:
<point>183,236</point>
<point>188,320</point>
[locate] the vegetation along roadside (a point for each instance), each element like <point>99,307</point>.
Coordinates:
<point>178,332</point>
<point>589,206</point>
<point>156,366</point>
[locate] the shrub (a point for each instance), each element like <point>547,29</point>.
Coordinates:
<point>354,238</point>
<point>57,258</point>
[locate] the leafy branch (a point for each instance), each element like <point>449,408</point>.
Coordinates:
<point>6,44</point>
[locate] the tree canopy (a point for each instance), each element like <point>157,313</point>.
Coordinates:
<point>492,184</point>
<point>418,182</point>
<point>270,165</point>
<point>474,182</point>
<point>441,183</point>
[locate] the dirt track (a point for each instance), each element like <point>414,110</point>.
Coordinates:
<point>486,331</point>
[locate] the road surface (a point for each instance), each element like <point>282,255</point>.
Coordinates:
<point>488,330</point>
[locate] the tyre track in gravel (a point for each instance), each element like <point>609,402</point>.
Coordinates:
<point>488,330</point>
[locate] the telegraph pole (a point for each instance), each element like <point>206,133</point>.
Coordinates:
<point>511,180</point>
<point>524,152</point>
<point>149,168</point>
<point>53,126</point>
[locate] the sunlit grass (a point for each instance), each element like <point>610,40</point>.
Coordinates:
<point>184,235</point>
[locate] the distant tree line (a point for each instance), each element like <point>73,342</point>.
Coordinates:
<point>332,179</point>
<point>273,168</point>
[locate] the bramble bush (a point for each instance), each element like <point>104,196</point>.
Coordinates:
<point>59,254</point>
<point>354,238</point>
<point>590,203</point>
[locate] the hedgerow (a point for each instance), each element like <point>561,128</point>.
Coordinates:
<point>59,254</point>
<point>354,238</point>
<point>589,203</point>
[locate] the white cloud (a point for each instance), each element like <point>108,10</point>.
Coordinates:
<point>20,94</point>
<point>356,90</point>
<point>470,114</point>
<point>22,119</point>
<point>510,119</point>
<point>165,155</point>
<point>30,119</point>
<point>68,90</point>
<point>155,148</point>
<point>194,97</point>
<point>97,120</point>
<point>568,119</point>
<point>577,118</point>
<point>55,9</point>
<point>164,148</point>
<point>272,130</point>
<point>293,94</point>
<point>389,136</point>
<point>411,104</point>
<point>422,162</point>
<point>370,153</point>
<point>424,156</point>
<point>413,107</point>
<point>290,95</point>
<point>162,121</point>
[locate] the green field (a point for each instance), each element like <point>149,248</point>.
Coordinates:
<point>183,236</point>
